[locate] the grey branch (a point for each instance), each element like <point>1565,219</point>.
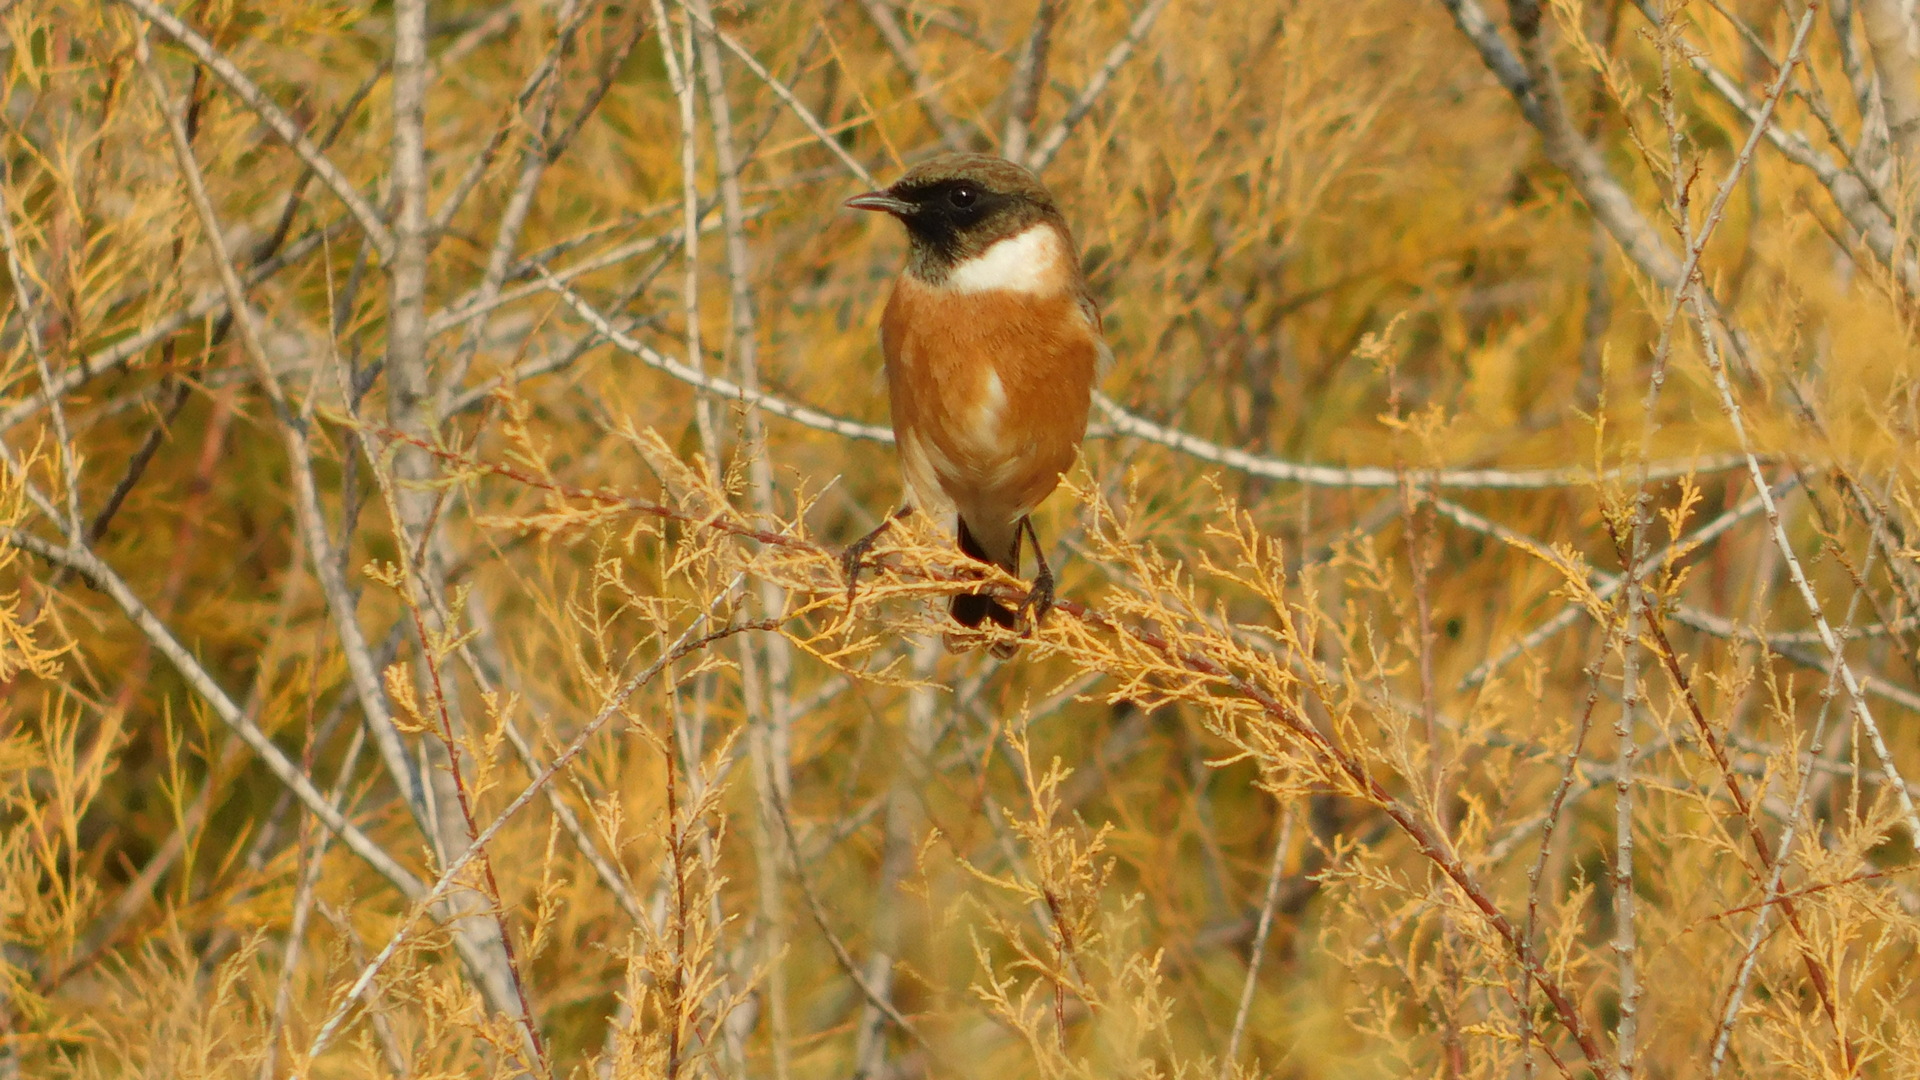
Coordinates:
<point>1372,476</point>
<point>952,135</point>
<point>1056,136</point>
<point>104,578</point>
<point>211,302</point>
<point>714,384</point>
<point>277,120</point>
<point>1889,29</point>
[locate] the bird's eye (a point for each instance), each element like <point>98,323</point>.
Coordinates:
<point>962,197</point>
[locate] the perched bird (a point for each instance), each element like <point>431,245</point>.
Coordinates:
<point>991,345</point>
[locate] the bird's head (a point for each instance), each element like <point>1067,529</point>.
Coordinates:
<point>956,206</point>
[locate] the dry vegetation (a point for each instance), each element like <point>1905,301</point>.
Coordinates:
<point>1491,588</point>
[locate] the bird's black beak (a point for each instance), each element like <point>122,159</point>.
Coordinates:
<point>879,200</point>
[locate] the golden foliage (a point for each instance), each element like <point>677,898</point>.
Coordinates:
<point>1444,681</point>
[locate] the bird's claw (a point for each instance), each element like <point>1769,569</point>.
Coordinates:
<point>850,560</point>
<point>1039,599</point>
<point>856,553</point>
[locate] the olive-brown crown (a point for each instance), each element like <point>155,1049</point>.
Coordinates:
<point>957,205</point>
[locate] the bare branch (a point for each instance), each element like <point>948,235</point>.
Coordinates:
<point>1132,424</point>
<point>1117,57</point>
<point>685,645</point>
<point>847,963</point>
<point>1730,405</point>
<point>1889,27</point>
<point>713,384</point>
<point>780,90</point>
<point>681,80</point>
<point>303,905</point>
<point>103,577</point>
<point>1276,871</point>
<point>1029,75</point>
<point>276,120</point>
<point>23,293</point>
<point>925,92</point>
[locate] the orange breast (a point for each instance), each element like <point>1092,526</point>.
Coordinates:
<point>989,392</point>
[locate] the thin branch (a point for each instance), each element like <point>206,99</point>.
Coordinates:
<point>925,92</point>
<point>23,301</point>
<point>682,83</point>
<point>275,119</point>
<point>1257,949</point>
<point>713,384</point>
<point>1796,573</point>
<point>780,90</point>
<point>1117,57</point>
<point>1029,75</point>
<point>103,577</point>
<point>685,645</point>
<point>1124,422</point>
<point>1551,821</point>
<point>847,963</point>
<point>210,303</point>
<point>303,904</point>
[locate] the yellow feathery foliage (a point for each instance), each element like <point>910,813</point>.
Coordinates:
<point>1489,627</point>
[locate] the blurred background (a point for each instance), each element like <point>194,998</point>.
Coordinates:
<point>1489,646</point>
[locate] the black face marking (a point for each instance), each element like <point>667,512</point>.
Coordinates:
<point>944,209</point>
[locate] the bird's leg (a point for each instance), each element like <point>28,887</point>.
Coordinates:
<point>856,551</point>
<point>1040,597</point>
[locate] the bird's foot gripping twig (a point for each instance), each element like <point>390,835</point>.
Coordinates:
<point>1040,597</point>
<point>851,558</point>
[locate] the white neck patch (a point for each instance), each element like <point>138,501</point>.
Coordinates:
<point>1030,262</point>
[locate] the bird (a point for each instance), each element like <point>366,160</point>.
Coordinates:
<point>992,345</point>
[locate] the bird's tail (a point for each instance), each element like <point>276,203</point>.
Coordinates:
<point>972,609</point>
